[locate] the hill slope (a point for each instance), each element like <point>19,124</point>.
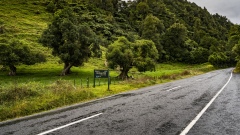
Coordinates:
<point>23,20</point>
<point>26,20</point>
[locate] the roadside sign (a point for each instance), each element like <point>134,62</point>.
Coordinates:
<point>101,74</point>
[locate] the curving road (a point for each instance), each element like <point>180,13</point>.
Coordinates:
<point>165,109</point>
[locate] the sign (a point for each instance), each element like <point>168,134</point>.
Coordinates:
<point>101,73</point>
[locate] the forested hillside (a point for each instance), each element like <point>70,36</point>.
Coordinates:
<point>180,30</point>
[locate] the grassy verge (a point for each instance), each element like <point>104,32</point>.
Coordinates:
<point>39,87</point>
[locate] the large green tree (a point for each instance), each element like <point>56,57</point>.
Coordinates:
<point>15,53</point>
<point>145,55</point>
<point>120,55</point>
<point>125,54</point>
<point>173,42</point>
<point>69,38</point>
<point>152,29</point>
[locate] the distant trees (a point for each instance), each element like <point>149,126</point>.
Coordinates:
<point>179,31</point>
<point>173,42</point>
<point>15,53</point>
<point>234,41</point>
<point>125,54</point>
<point>69,38</point>
<point>152,29</point>
<point>219,59</point>
<point>145,55</point>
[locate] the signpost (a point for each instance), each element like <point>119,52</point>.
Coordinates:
<point>101,74</point>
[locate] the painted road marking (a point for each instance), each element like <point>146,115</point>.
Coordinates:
<point>193,122</point>
<point>67,125</point>
<point>174,88</point>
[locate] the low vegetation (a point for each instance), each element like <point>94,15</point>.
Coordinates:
<point>39,88</point>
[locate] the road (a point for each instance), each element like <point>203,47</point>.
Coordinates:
<point>165,109</point>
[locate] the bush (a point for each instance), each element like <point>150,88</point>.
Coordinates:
<point>219,59</point>
<point>15,93</point>
<point>199,55</point>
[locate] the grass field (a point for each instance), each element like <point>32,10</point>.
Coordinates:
<point>39,87</point>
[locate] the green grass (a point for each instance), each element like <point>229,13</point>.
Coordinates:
<point>39,87</point>
<point>24,21</point>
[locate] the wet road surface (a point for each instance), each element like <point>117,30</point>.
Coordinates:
<point>164,109</point>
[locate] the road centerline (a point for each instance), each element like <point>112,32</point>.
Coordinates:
<point>67,125</point>
<point>193,122</point>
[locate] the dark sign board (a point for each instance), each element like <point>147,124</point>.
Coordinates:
<point>101,73</point>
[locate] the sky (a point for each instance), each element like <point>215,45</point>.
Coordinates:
<point>228,8</point>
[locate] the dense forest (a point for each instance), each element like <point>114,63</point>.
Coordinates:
<point>138,33</point>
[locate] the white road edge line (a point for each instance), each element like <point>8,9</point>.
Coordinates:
<point>55,129</point>
<point>174,88</point>
<point>193,122</point>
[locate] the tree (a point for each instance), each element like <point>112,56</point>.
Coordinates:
<point>236,50</point>
<point>120,54</point>
<point>145,55</point>
<point>142,9</point>
<point>69,38</point>
<point>219,59</point>
<point>152,29</point>
<point>208,41</point>
<point>125,54</point>
<point>199,55</point>
<point>173,42</point>
<point>15,53</point>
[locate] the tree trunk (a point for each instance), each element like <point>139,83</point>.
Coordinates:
<point>66,69</point>
<point>13,70</point>
<point>124,74</point>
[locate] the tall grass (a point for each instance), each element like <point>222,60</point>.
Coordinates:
<point>39,87</point>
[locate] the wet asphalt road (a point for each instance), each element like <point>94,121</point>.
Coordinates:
<point>164,109</point>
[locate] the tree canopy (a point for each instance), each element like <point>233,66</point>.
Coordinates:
<point>124,54</point>
<point>180,30</point>
<point>69,38</point>
<point>15,53</point>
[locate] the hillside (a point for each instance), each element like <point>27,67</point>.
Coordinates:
<point>26,20</point>
<point>23,20</point>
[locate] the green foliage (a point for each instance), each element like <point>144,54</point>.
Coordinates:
<point>120,53</point>
<point>51,7</point>
<point>152,29</point>
<point>69,38</point>
<point>219,59</point>
<point>208,41</point>
<point>142,9</point>
<point>236,50</point>
<point>199,55</point>
<point>146,55</point>
<point>237,69</point>
<point>16,53</point>
<point>173,42</point>
<point>142,54</point>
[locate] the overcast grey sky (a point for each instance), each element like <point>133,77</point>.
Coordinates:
<point>228,8</point>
